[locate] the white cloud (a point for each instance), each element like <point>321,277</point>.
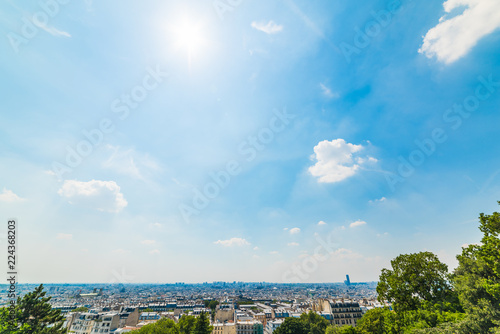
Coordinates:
<point>321,223</point>
<point>9,196</point>
<point>148,242</point>
<point>357,223</point>
<point>474,243</point>
<point>120,251</point>
<point>336,160</point>
<point>380,200</point>
<point>328,92</point>
<point>63,236</point>
<point>295,230</point>
<point>293,244</point>
<point>256,248</point>
<point>454,37</point>
<point>274,253</point>
<point>100,195</point>
<point>154,251</point>
<point>232,242</point>
<point>51,30</point>
<point>269,28</point>
<point>285,229</point>
<point>131,163</point>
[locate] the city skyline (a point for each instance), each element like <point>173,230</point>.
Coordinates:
<point>245,141</point>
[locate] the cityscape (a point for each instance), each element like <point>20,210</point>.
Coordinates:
<point>121,308</point>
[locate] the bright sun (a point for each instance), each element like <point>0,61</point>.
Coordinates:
<point>188,36</point>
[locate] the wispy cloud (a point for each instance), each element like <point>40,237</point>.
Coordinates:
<point>148,242</point>
<point>295,230</point>
<point>232,242</point>
<point>293,244</point>
<point>380,200</point>
<point>328,92</point>
<point>270,27</point>
<point>64,236</point>
<point>454,37</point>
<point>129,162</point>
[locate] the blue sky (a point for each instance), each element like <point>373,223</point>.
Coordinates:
<point>244,140</point>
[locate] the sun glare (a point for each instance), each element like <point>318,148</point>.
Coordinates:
<point>188,36</point>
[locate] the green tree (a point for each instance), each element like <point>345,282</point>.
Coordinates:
<point>414,278</point>
<point>202,325</point>
<point>346,329</point>
<point>80,309</point>
<point>36,315</point>
<point>292,326</point>
<point>373,321</point>
<point>477,279</point>
<point>162,326</point>
<point>186,324</point>
<point>316,323</point>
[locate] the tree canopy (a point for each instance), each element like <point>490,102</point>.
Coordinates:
<point>414,278</point>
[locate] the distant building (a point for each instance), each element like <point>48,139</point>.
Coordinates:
<point>347,280</point>
<point>339,313</point>
<point>87,323</point>
<point>249,327</point>
<point>149,316</point>
<point>272,325</point>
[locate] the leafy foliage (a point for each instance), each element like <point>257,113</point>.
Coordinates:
<point>477,279</point>
<point>32,315</point>
<point>414,278</point>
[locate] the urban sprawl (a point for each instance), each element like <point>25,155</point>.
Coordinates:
<point>234,308</point>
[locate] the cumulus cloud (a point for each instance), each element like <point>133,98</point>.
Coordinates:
<point>232,242</point>
<point>100,195</point>
<point>357,223</point>
<point>455,36</point>
<point>337,160</point>
<point>321,223</point>
<point>64,236</point>
<point>269,28</point>
<point>9,196</point>
<point>295,230</point>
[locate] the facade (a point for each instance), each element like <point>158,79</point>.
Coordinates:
<point>91,323</point>
<point>272,325</point>
<point>224,328</point>
<point>339,313</point>
<point>249,327</point>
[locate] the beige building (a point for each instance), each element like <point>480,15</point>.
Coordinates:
<point>339,312</point>
<point>224,328</point>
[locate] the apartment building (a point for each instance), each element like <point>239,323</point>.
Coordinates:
<point>272,325</point>
<point>92,323</point>
<point>339,312</point>
<point>249,327</point>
